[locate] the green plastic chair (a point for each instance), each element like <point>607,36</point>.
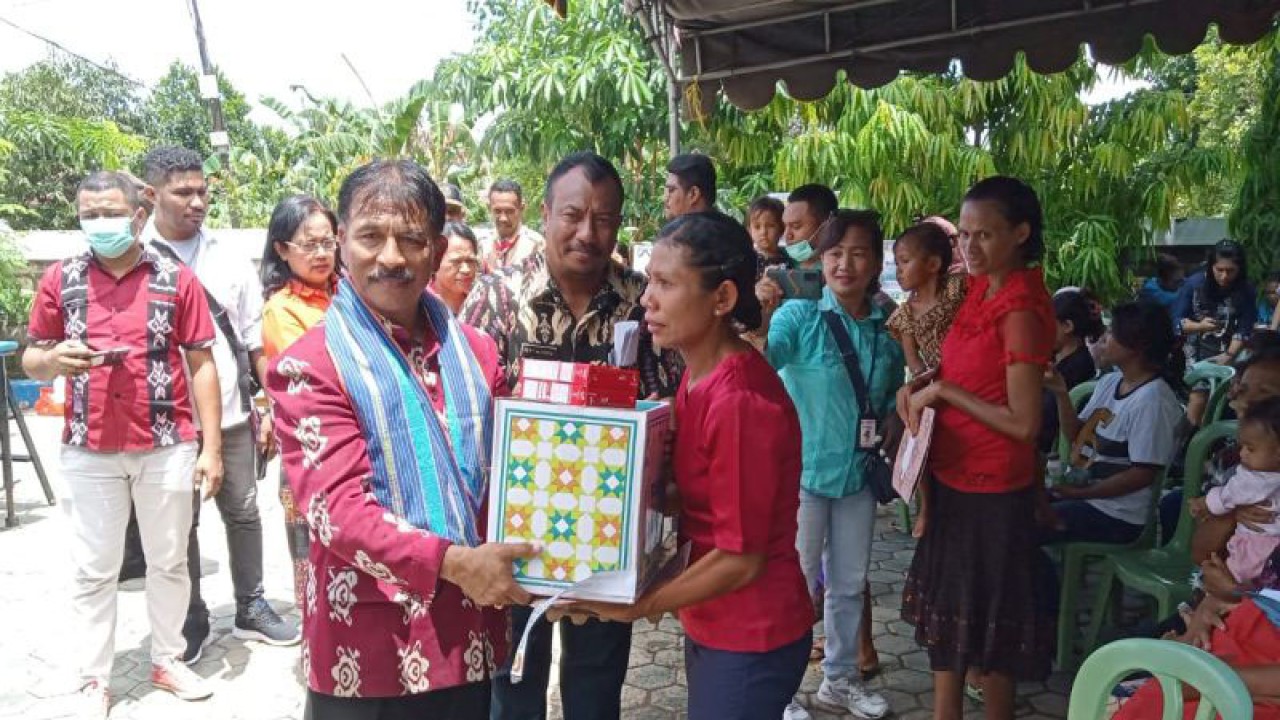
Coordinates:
<point>904,515</point>
<point>1163,573</point>
<point>1219,379</point>
<point>1076,557</point>
<point>1222,692</point>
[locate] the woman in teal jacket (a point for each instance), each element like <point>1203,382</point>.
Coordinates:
<point>837,509</point>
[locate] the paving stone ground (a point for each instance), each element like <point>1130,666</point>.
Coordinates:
<point>256,682</point>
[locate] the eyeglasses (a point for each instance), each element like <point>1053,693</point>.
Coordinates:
<point>315,247</point>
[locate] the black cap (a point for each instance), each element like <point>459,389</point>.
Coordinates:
<point>452,195</point>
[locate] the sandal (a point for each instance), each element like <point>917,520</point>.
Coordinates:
<point>819,649</point>
<point>974,693</point>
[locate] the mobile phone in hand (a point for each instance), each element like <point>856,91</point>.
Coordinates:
<point>797,283</point>
<point>114,356</point>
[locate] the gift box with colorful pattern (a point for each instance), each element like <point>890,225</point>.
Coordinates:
<point>586,483</point>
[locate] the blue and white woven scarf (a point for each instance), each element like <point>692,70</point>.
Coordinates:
<point>432,476</point>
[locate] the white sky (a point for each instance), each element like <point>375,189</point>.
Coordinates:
<point>266,46</point>
<point>263,46</point>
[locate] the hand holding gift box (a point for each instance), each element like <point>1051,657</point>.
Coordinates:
<point>484,573</point>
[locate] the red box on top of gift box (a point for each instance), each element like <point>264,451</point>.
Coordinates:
<point>566,383</point>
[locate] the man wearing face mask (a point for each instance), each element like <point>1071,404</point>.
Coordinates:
<point>118,320</point>
<point>809,208</point>
<point>562,304</point>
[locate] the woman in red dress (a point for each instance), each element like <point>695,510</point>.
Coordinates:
<point>970,591</point>
<point>743,601</point>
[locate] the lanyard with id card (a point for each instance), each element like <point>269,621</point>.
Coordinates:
<point>868,434</point>
<point>868,424</point>
<point>874,466</point>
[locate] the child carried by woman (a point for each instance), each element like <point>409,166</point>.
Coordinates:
<point>923,257</point>
<point>1257,481</point>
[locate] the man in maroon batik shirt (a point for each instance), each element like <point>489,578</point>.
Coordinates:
<point>399,621</point>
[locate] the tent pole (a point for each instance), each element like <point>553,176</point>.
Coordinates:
<point>657,32</point>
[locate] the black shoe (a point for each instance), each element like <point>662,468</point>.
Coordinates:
<point>259,622</point>
<point>196,632</point>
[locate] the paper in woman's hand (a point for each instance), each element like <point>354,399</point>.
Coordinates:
<point>626,344</point>
<point>913,453</point>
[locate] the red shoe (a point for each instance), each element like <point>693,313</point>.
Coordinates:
<point>180,680</point>
<point>93,702</point>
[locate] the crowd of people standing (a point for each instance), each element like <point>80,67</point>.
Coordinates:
<point>383,330</point>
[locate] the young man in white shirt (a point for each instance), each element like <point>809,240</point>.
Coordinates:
<point>177,187</point>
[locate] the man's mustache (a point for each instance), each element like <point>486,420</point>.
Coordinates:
<point>582,248</point>
<point>401,275</point>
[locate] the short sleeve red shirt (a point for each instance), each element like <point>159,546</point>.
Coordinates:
<point>737,466</point>
<point>967,455</point>
<point>142,403</point>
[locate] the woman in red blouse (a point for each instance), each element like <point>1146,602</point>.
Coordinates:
<point>743,602</point>
<point>970,592</point>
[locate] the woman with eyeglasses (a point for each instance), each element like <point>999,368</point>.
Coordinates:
<point>459,266</point>
<point>299,271</point>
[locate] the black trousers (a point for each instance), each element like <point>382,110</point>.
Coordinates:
<point>593,667</point>
<point>465,702</point>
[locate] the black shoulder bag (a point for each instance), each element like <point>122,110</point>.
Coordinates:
<point>246,378</point>
<point>876,472</point>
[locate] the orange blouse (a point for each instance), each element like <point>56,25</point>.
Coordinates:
<point>289,313</point>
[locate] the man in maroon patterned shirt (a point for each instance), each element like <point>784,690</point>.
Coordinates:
<point>123,324</point>
<point>403,617</point>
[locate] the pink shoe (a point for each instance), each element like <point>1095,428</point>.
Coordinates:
<point>93,702</point>
<point>180,680</point>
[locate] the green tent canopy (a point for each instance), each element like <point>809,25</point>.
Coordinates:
<point>743,48</point>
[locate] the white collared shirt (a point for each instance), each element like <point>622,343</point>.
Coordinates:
<point>528,242</point>
<point>229,275</point>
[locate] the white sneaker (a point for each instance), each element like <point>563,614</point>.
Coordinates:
<point>850,695</point>
<point>795,711</point>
